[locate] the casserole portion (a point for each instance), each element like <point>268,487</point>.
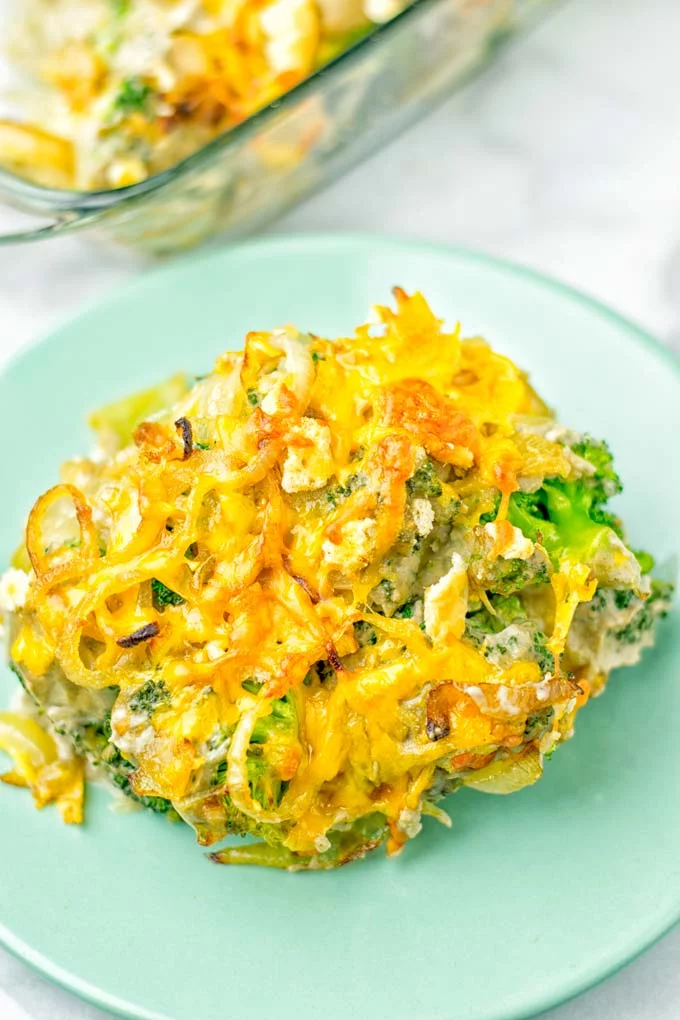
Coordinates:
<point>305,597</point>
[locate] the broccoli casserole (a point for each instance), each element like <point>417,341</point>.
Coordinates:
<point>303,598</point>
<point>122,89</point>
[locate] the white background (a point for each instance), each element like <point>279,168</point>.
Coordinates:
<point>565,156</point>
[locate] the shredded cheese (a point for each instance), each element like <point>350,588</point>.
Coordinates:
<point>253,570</point>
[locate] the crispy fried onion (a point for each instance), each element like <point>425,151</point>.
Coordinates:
<point>52,567</point>
<point>86,613</point>
<point>502,701</point>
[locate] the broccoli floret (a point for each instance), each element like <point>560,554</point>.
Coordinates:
<point>491,515</point>
<point>569,517</point>
<point>506,611</point>
<point>346,844</point>
<point>605,483</point>
<point>120,771</point>
<point>132,97</point>
<point>336,494</point>
<point>511,576</point>
<point>560,516</point>
<point>281,721</point>
<point>544,657</point>
<point>601,516</point>
<point>163,596</point>
<point>251,685</point>
<point>149,696</point>
<point>657,605</point>
<point>538,724</point>
<point>623,598</point>
<point>506,576</point>
<point>645,559</point>
<point>365,633</point>
<point>425,481</point>
<point>238,824</point>
<point>405,612</point>
<point>92,741</point>
<point>482,627</point>
<point>272,738</point>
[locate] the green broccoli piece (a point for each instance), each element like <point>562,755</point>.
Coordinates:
<point>92,741</point>
<point>560,517</point>
<point>405,612</point>
<point>544,657</point>
<point>346,844</point>
<point>251,685</point>
<point>605,483</point>
<point>281,721</point>
<point>365,633</point>
<point>645,559</point>
<point>338,493</point>
<point>622,598</point>
<point>657,605</point>
<point>132,97</point>
<point>538,724</point>
<point>163,596</point>
<point>121,778</point>
<point>491,515</point>
<point>570,517</point>
<point>149,697</point>
<point>507,576</point>
<point>272,735</point>
<point>506,611</point>
<point>425,481</point>
<point>115,423</point>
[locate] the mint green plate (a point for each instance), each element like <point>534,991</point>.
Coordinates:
<point>530,898</point>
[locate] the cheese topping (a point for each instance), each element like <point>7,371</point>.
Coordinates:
<point>309,461</point>
<point>446,603</point>
<point>317,587</point>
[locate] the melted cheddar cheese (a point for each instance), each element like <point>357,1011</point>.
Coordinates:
<point>277,580</point>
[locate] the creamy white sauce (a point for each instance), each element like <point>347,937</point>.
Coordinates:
<point>14,585</point>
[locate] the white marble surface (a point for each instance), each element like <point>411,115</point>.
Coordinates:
<point>565,156</point>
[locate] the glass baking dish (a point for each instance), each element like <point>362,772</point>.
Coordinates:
<point>306,138</point>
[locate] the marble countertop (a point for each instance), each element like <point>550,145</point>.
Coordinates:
<point>565,156</point>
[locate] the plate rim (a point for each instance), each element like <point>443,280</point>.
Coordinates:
<point>323,242</point>
<point>332,240</point>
